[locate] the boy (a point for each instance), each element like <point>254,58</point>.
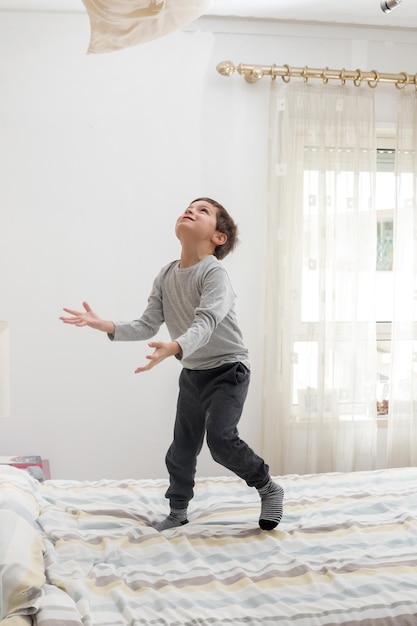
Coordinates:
<point>195,299</point>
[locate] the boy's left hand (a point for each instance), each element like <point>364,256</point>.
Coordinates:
<point>162,351</point>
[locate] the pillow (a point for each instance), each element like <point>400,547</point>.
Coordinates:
<point>18,493</point>
<point>117,24</point>
<point>18,620</point>
<point>22,571</point>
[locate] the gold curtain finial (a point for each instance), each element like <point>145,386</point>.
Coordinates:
<point>226,68</point>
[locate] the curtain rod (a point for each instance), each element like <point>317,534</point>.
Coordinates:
<point>253,73</point>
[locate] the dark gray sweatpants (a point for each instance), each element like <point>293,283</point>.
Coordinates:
<point>210,401</point>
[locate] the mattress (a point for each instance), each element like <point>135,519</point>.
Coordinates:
<point>76,553</point>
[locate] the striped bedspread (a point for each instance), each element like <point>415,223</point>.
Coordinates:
<point>344,554</point>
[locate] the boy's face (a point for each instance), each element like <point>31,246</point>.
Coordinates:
<point>199,221</point>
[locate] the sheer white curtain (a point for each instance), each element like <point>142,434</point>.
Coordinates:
<point>402,421</point>
<point>319,403</point>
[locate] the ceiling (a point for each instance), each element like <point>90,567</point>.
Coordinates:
<point>360,12</point>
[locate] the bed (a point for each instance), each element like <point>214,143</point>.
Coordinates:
<point>85,553</point>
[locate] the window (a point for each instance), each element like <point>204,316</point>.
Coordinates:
<point>385,202</point>
<point>306,347</point>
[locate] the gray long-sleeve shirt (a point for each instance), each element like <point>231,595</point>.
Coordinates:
<point>197,305</point>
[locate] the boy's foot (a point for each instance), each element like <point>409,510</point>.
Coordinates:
<point>177,517</point>
<point>272,496</point>
<point>170,522</point>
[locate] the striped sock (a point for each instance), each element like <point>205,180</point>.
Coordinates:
<point>272,496</point>
<point>177,517</point>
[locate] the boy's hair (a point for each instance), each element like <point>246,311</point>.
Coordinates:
<point>226,225</point>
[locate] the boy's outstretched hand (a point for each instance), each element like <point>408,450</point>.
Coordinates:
<point>162,351</point>
<point>87,318</point>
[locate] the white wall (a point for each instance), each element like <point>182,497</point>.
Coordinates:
<point>98,156</point>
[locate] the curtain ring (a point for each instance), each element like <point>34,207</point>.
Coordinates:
<point>304,74</point>
<point>374,83</point>
<point>273,75</point>
<point>357,81</point>
<point>415,81</point>
<point>342,77</point>
<point>324,76</point>
<point>286,77</point>
<point>401,84</point>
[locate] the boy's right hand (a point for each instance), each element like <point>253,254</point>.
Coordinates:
<point>87,318</point>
